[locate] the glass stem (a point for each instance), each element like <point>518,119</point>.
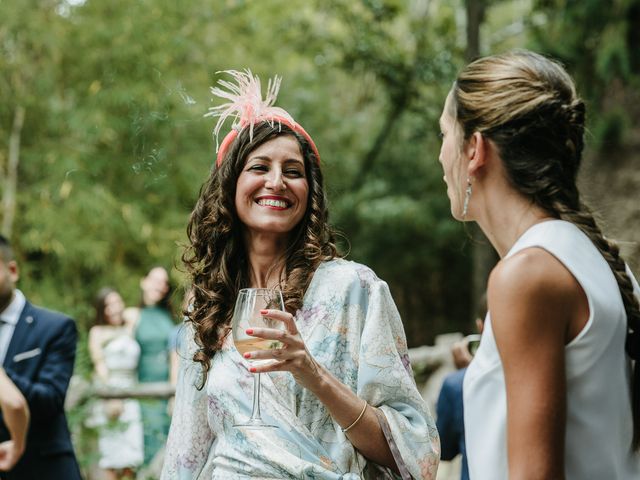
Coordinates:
<point>255,412</point>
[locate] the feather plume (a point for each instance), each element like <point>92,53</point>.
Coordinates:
<point>245,104</point>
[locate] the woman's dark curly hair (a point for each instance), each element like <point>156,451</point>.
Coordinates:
<point>216,257</point>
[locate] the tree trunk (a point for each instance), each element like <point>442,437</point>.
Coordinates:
<point>383,134</point>
<point>11,178</point>
<point>475,14</point>
<point>633,36</point>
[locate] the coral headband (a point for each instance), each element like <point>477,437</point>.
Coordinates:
<point>246,106</point>
<point>233,134</point>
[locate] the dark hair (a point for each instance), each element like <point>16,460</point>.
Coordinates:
<point>99,303</point>
<point>527,105</point>
<point>6,251</point>
<point>216,258</point>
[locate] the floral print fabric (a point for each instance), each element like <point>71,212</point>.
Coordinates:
<point>350,324</point>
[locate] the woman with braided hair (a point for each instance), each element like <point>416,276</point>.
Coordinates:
<point>552,391</point>
<point>340,390</point>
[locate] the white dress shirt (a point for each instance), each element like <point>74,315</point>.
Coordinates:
<point>8,320</point>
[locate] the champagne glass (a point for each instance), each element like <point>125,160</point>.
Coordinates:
<point>247,315</point>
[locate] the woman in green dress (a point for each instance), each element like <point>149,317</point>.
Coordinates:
<point>152,324</point>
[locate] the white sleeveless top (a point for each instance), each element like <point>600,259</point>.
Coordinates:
<point>599,425</point>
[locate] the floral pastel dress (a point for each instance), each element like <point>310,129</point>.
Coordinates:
<point>350,325</point>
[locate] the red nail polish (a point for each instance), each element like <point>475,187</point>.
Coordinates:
<point>252,369</point>
<point>264,312</point>
<point>247,355</point>
<point>249,331</point>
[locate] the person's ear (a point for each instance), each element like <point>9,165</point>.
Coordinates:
<point>14,271</point>
<point>476,151</point>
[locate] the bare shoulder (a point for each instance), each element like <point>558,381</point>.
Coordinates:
<point>531,273</point>
<point>101,333</point>
<point>96,331</point>
<point>532,291</point>
<point>98,335</point>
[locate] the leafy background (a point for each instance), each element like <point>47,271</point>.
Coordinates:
<point>101,116</point>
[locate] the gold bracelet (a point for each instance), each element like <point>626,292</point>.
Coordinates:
<point>345,430</point>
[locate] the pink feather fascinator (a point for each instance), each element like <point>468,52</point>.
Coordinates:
<point>247,108</point>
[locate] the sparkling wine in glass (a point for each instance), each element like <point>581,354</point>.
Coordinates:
<point>247,315</point>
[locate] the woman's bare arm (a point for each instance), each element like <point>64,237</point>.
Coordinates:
<point>536,307</point>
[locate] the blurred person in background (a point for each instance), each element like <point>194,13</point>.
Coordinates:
<point>152,324</point>
<point>552,391</point>
<point>115,355</point>
<point>37,352</point>
<point>462,351</point>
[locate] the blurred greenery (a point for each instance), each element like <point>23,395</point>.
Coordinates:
<point>114,145</point>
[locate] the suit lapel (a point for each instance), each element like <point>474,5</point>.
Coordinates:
<point>22,332</point>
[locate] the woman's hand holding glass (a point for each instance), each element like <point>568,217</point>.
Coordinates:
<point>292,356</point>
<point>246,316</point>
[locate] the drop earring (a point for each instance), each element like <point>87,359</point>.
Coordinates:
<point>467,197</point>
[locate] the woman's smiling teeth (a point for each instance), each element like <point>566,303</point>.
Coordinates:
<point>268,202</point>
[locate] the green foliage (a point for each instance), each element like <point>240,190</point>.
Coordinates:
<point>611,127</point>
<point>115,147</point>
<point>600,46</point>
<point>390,198</point>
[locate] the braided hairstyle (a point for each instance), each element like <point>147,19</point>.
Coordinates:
<point>216,257</point>
<point>527,105</point>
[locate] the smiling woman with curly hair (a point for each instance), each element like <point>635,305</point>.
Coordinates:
<point>340,389</point>
<point>217,257</point>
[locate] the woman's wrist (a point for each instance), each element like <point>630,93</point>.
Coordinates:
<point>357,420</point>
<point>321,379</point>
<point>336,396</point>
<point>19,446</point>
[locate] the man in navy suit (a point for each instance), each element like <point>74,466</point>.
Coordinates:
<point>37,351</point>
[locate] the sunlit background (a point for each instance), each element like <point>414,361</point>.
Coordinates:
<point>103,143</point>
